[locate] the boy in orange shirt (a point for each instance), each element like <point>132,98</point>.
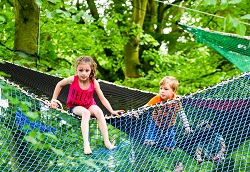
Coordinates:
<point>161,128</point>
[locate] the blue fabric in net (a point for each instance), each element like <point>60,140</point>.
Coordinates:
<point>22,120</point>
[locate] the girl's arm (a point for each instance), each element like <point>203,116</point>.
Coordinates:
<point>58,88</point>
<point>103,99</point>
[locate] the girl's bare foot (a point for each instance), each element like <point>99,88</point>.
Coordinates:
<point>109,145</point>
<point>87,149</point>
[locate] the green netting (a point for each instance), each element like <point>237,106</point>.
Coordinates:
<point>33,145</point>
<point>233,47</point>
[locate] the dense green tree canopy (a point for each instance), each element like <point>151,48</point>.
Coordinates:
<point>137,40</point>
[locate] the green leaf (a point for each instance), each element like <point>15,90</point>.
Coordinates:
<point>40,136</point>
<point>91,163</point>
<point>72,9</point>
<point>234,1</point>
<point>241,29</point>
<point>59,11</point>
<point>51,136</point>
<point>4,74</point>
<point>209,2</point>
<point>76,18</point>
<point>39,2</point>
<point>57,151</point>
<point>30,139</point>
<point>26,127</point>
<point>81,13</point>
<point>2,19</point>
<point>46,146</point>
<point>33,133</point>
<point>85,16</point>
<point>247,17</point>
<point>223,5</point>
<point>49,14</point>
<point>233,21</point>
<point>32,115</point>
<point>54,1</point>
<point>223,2</point>
<point>67,14</point>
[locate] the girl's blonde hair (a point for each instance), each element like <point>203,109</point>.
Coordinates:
<point>172,81</point>
<point>87,59</point>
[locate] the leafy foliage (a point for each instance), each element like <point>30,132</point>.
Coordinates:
<point>69,30</point>
<point>195,70</point>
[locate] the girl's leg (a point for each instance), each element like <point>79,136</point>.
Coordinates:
<point>81,111</point>
<point>97,112</point>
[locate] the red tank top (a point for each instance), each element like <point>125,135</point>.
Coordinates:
<point>80,97</point>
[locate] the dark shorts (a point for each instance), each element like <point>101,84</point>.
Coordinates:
<point>71,109</point>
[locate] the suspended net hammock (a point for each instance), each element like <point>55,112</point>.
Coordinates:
<point>51,141</point>
<point>233,47</point>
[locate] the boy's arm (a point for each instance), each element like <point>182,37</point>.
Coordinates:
<point>184,120</point>
<point>183,117</point>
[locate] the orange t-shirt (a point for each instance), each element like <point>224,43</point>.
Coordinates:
<point>164,116</point>
<point>155,99</point>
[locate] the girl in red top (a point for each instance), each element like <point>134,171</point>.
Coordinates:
<point>81,101</point>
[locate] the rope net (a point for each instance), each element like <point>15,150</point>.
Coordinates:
<point>234,48</point>
<point>37,138</point>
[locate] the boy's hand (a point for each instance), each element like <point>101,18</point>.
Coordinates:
<point>188,131</point>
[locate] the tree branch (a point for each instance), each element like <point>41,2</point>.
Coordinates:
<point>6,46</point>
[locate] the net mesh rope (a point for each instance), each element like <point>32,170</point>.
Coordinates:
<point>218,116</point>
<point>233,47</point>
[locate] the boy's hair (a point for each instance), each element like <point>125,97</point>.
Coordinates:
<point>87,59</point>
<point>172,81</point>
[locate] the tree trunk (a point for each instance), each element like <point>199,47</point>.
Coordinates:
<point>93,9</point>
<point>131,59</point>
<point>150,18</point>
<point>26,27</point>
<point>131,49</point>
